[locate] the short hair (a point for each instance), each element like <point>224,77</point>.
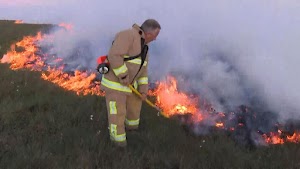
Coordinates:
<point>150,25</point>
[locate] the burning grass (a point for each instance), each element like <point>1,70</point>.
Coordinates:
<point>45,126</point>
<point>27,54</point>
<point>11,33</point>
<point>247,126</point>
<point>23,54</point>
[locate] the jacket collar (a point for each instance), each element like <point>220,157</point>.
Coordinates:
<point>139,30</point>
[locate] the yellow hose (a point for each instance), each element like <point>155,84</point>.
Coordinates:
<point>148,101</point>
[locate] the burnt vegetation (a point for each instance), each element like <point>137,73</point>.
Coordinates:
<point>44,126</point>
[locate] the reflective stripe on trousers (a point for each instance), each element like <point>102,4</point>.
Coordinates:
<point>112,107</point>
<point>132,122</point>
<point>113,134</point>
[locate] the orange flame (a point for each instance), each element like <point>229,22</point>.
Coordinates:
<point>23,54</point>
<point>220,125</point>
<point>19,21</point>
<point>280,138</point>
<point>26,57</point>
<point>274,138</point>
<point>81,82</point>
<point>173,102</point>
<point>294,138</point>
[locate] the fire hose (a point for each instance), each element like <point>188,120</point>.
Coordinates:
<point>148,101</point>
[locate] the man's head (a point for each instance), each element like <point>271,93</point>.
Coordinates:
<point>151,29</point>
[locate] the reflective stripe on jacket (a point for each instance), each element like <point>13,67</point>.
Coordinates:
<point>117,86</point>
<point>126,43</point>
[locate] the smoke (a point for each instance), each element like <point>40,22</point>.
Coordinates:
<point>235,51</point>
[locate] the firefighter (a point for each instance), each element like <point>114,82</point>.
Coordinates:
<point>128,62</point>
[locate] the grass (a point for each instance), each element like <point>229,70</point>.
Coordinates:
<point>44,126</point>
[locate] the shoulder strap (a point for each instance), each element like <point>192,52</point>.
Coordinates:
<point>143,56</point>
<point>136,56</point>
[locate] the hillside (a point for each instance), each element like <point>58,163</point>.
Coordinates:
<point>45,126</point>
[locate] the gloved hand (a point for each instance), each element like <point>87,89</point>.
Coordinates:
<point>124,80</point>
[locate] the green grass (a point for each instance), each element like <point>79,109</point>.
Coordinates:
<point>44,126</point>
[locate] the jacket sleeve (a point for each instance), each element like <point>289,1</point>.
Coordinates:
<point>143,79</point>
<point>120,47</point>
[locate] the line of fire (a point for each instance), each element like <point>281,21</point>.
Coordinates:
<point>196,115</point>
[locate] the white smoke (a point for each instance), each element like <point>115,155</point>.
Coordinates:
<point>238,50</point>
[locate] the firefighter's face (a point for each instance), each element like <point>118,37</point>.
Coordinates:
<point>151,36</point>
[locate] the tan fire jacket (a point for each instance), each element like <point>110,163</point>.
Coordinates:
<point>127,43</point>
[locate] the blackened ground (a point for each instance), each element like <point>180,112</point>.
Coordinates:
<point>244,126</point>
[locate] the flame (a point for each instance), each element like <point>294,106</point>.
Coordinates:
<point>67,26</point>
<point>81,82</point>
<point>220,125</point>
<point>281,138</point>
<point>23,54</point>
<point>173,102</point>
<point>19,21</point>
<point>27,58</point>
<point>294,138</point>
<point>273,138</point>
